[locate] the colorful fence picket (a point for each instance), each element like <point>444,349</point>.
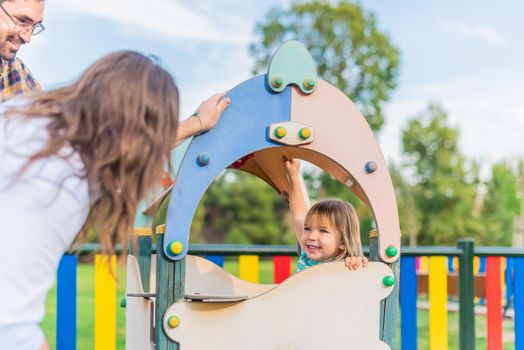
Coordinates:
<point>105,303</point>
<point>438,313</point>
<point>66,303</point>
<point>502,277</point>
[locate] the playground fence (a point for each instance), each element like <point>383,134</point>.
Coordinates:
<point>464,278</point>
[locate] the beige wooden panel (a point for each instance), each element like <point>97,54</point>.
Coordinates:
<point>137,310</point>
<point>323,307</point>
<point>205,277</point>
<point>343,134</point>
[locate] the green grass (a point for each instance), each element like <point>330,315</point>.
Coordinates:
<point>85,312</point>
<point>453,331</point>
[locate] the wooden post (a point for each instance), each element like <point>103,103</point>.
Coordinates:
<point>466,295</point>
<point>388,306</point>
<point>170,277</point>
<point>143,254</point>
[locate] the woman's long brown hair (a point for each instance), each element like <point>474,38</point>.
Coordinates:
<point>121,117</point>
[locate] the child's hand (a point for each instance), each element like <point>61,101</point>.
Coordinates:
<point>354,262</point>
<point>292,167</point>
<point>210,110</point>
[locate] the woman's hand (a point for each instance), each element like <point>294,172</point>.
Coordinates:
<point>355,262</point>
<point>210,110</point>
<point>205,117</point>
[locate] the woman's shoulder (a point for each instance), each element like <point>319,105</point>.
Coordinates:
<point>16,130</point>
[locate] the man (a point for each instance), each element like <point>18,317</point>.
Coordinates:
<point>20,20</point>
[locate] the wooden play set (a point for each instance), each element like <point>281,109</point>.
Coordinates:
<point>174,300</point>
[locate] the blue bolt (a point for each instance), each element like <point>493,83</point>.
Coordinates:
<point>203,159</point>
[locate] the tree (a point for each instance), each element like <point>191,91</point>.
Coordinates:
<point>349,49</point>
<point>445,195</point>
<point>501,206</point>
<point>408,214</point>
<point>240,208</point>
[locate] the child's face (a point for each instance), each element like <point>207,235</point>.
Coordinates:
<point>320,241</point>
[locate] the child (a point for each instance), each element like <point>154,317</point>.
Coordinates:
<point>80,158</point>
<point>329,231</point>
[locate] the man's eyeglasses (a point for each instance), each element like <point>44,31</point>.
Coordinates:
<point>25,27</point>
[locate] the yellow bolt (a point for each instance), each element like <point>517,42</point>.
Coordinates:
<point>173,322</point>
<point>276,82</point>
<point>280,132</point>
<point>309,83</point>
<point>176,247</point>
<point>304,133</point>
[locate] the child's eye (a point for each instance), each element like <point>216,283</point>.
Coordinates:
<point>307,229</point>
<point>324,230</point>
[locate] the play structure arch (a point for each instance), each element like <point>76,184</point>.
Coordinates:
<point>245,129</point>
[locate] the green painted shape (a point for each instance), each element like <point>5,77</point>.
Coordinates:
<point>123,303</point>
<point>170,278</point>
<point>292,64</point>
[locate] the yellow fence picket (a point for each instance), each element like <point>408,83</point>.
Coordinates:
<point>248,268</point>
<point>105,303</point>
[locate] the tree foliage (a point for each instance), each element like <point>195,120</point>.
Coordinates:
<point>346,44</point>
<point>240,208</point>
<point>501,205</point>
<point>445,195</point>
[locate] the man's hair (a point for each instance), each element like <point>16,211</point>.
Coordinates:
<point>121,118</point>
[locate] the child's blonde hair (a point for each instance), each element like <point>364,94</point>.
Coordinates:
<point>342,217</point>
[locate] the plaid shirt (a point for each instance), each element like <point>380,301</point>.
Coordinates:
<point>15,79</point>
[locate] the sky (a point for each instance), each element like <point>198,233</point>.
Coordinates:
<point>467,56</point>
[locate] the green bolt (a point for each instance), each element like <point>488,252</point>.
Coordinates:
<point>388,281</point>
<point>391,251</point>
<point>123,303</point>
<point>276,82</point>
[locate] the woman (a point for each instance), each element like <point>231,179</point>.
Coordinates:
<point>77,159</point>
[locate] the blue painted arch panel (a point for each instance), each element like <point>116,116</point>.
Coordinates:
<point>242,129</point>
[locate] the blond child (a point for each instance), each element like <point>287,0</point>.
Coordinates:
<point>328,231</point>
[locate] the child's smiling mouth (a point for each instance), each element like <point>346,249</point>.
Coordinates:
<point>312,247</point>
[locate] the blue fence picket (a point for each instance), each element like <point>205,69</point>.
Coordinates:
<point>518,265</point>
<point>66,303</point>
<point>450,264</point>
<point>217,259</point>
<point>408,303</point>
